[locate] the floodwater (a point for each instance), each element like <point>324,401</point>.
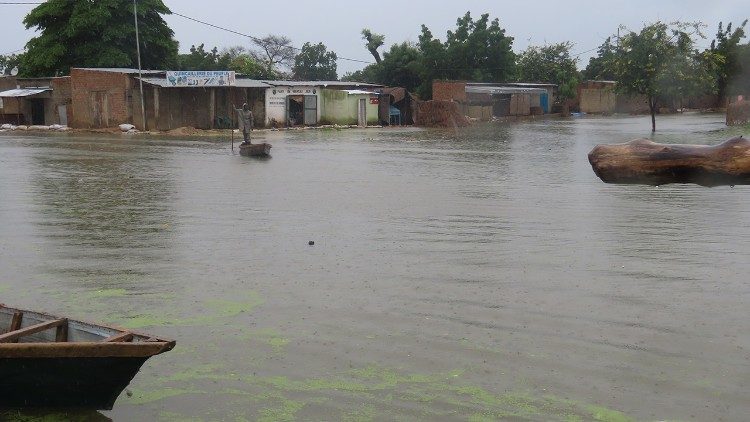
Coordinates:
<point>472,274</point>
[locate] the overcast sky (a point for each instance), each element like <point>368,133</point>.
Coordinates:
<point>338,23</point>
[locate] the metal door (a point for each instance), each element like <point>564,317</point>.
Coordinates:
<point>362,115</point>
<point>544,102</point>
<point>62,111</point>
<point>311,110</point>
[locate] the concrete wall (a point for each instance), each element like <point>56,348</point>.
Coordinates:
<point>101,99</point>
<point>276,102</point>
<point>339,107</point>
<point>597,100</point>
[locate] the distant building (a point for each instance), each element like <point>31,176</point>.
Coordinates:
<point>35,101</point>
<point>108,97</point>
<point>484,101</point>
<point>597,97</point>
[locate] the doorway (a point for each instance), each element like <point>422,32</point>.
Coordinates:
<point>37,111</point>
<point>362,114</point>
<point>295,110</point>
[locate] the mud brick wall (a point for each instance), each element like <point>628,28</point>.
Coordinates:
<point>449,91</point>
<point>738,113</point>
<point>100,99</point>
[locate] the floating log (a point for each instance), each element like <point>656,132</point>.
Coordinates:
<point>645,162</point>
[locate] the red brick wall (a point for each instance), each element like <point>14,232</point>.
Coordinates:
<point>449,91</point>
<point>100,99</point>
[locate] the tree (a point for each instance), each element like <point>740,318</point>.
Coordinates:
<point>550,64</point>
<point>200,59</point>
<point>374,41</point>
<point>98,33</point>
<point>598,67</point>
<point>315,63</point>
<point>276,53</point>
<point>8,63</point>
<point>660,63</point>
<point>400,66</point>
<point>477,51</point>
<point>727,46</point>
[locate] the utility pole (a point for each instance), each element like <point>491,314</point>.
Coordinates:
<point>140,71</point>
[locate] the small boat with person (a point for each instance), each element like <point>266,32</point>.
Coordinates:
<point>53,362</point>
<point>255,150</point>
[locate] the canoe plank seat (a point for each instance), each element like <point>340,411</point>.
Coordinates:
<point>119,338</point>
<point>61,325</point>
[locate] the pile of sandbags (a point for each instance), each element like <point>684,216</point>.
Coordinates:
<point>738,113</point>
<point>436,113</point>
<point>9,127</point>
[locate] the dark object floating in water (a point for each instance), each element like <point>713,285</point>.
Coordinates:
<point>255,150</point>
<point>311,243</point>
<point>47,361</point>
<point>645,162</point>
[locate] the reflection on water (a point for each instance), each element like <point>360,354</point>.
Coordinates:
<point>479,273</point>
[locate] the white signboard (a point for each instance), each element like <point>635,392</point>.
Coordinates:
<point>198,78</point>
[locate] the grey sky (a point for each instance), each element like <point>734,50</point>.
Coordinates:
<point>337,23</point>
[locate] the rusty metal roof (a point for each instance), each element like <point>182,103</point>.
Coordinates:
<point>23,92</point>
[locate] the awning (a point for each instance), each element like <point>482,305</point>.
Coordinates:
<point>23,92</point>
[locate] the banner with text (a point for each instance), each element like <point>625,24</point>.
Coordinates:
<point>200,78</point>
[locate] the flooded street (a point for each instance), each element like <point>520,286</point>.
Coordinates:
<point>478,274</point>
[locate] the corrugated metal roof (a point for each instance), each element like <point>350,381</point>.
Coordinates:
<point>358,92</point>
<point>473,89</point>
<point>122,70</point>
<point>23,92</point>
<point>323,84</point>
<point>238,83</point>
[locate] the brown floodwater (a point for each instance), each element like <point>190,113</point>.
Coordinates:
<point>473,274</point>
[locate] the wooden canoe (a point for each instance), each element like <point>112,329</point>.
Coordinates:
<point>52,362</point>
<point>255,150</point>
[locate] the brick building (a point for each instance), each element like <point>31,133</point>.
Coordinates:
<point>35,101</point>
<point>484,101</point>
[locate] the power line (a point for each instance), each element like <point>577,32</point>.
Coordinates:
<point>256,39</point>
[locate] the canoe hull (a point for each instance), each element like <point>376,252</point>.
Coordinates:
<point>255,150</point>
<point>92,383</point>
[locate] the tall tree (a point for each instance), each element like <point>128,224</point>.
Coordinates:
<point>598,67</point>
<point>727,46</point>
<point>478,50</point>
<point>660,63</point>
<point>85,33</point>
<point>276,52</point>
<point>374,41</point>
<point>315,63</point>
<point>400,66</point>
<point>550,63</point>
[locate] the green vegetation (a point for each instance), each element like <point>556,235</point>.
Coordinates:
<point>550,63</point>
<point>82,33</point>
<point>661,64</point>
<point>315,63</point>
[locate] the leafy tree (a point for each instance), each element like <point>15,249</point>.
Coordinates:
<point>374,41</point>
<point>660,63</point>
<point>200,59</point>
<point>249,66</point>
<point>8,62</point>
<point>598,67</point>
<point>476,51</point>
<point>400,66</point>
<point>727,46</point>
<point>315,63</point>
<point>550,64</point>
<point>100,33</point>
<point>276,53</point>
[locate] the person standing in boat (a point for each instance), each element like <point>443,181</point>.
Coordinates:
<point>246,121</point>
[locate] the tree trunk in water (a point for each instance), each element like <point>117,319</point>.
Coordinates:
<point>652,107</point>
<point>645,162</point>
